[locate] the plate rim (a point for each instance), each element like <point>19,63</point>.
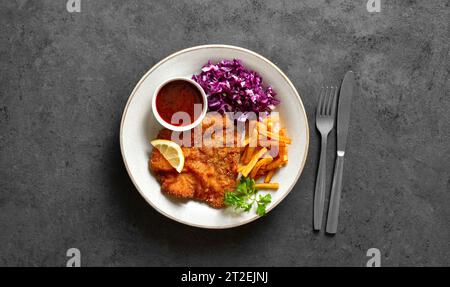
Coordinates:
<point>154,67</point>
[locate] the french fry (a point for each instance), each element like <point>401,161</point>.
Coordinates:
<point>259,164</point>
<point>275,164</point>
<point>258,161</point>
<point>252,144</point>
<point>271,119</point>
<point>260,173</point>
<point>267,142</point>
<point>274,185</point>
<point>253,133</point>
<point>261,126</point>
<point>269,176</point>
<point>245,142</point>
<point>253,161</point>
<point>264,127</point>
<point>249,154</point>
<point>281,151</point>
<point>282,148</point>
<point>269,126</point>
<point>275,136</point>
<point>244,154</point>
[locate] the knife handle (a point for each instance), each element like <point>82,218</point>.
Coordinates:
<point>319,193</point>
<point>333,210</point>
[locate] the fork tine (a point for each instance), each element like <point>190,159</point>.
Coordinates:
<point>320,102</point>
<point>333,106</point>
<point>329,101</point>
<point>324,102</point>
<point>333,94</point>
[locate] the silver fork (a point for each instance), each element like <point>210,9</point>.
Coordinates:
<point>325,114</point>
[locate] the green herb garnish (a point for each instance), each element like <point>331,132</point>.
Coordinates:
<point>245,196</point>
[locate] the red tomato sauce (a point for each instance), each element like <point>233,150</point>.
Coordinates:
<point>178,96</point>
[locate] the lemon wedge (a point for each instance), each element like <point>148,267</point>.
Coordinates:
<point>171,151</point>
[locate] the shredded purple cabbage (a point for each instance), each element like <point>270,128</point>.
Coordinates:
<point>230,87</point>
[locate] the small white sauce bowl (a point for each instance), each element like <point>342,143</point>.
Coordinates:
<point>180,128</point>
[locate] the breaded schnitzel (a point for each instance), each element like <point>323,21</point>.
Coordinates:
<point>208,170</point>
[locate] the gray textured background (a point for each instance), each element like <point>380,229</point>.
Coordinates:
<point>65,79</point>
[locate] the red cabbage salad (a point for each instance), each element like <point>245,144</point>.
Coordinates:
<point>230,87</point>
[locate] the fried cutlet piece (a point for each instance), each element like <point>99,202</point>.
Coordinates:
<point>181,185</point>
<point>208,171</point>
<point>215,170</point>
<point>158,163</point>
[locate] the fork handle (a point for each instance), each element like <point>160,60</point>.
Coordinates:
<point>319,193</point>
<point>333,210</point>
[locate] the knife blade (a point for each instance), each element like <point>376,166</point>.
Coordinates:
<point>343,118</point>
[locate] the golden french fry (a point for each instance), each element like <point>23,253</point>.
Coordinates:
<point>260,126</point>
<point>253,138</point>
<point>275,136</point>
<point>269,126</point>
<point>253,161</point>
<point>282,151</point>
<point>249,154</point>
<point>246,142</point>
<point>274,185</point>
<point>258,165</point>
<point>268,135</point>
<point>268,142</point>
<point>244,154</point>
<point>271,119</point>
<point>260,173</point>
<point>275,164</point>
<point>269,176</point>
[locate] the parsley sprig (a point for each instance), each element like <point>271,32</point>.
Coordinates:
<point>246,195</point>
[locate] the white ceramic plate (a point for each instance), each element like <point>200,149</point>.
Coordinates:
<point>139,126</point>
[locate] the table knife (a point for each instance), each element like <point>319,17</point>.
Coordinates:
<point>343,120</point>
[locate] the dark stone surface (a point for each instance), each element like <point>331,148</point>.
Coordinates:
<point>65,79</point>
